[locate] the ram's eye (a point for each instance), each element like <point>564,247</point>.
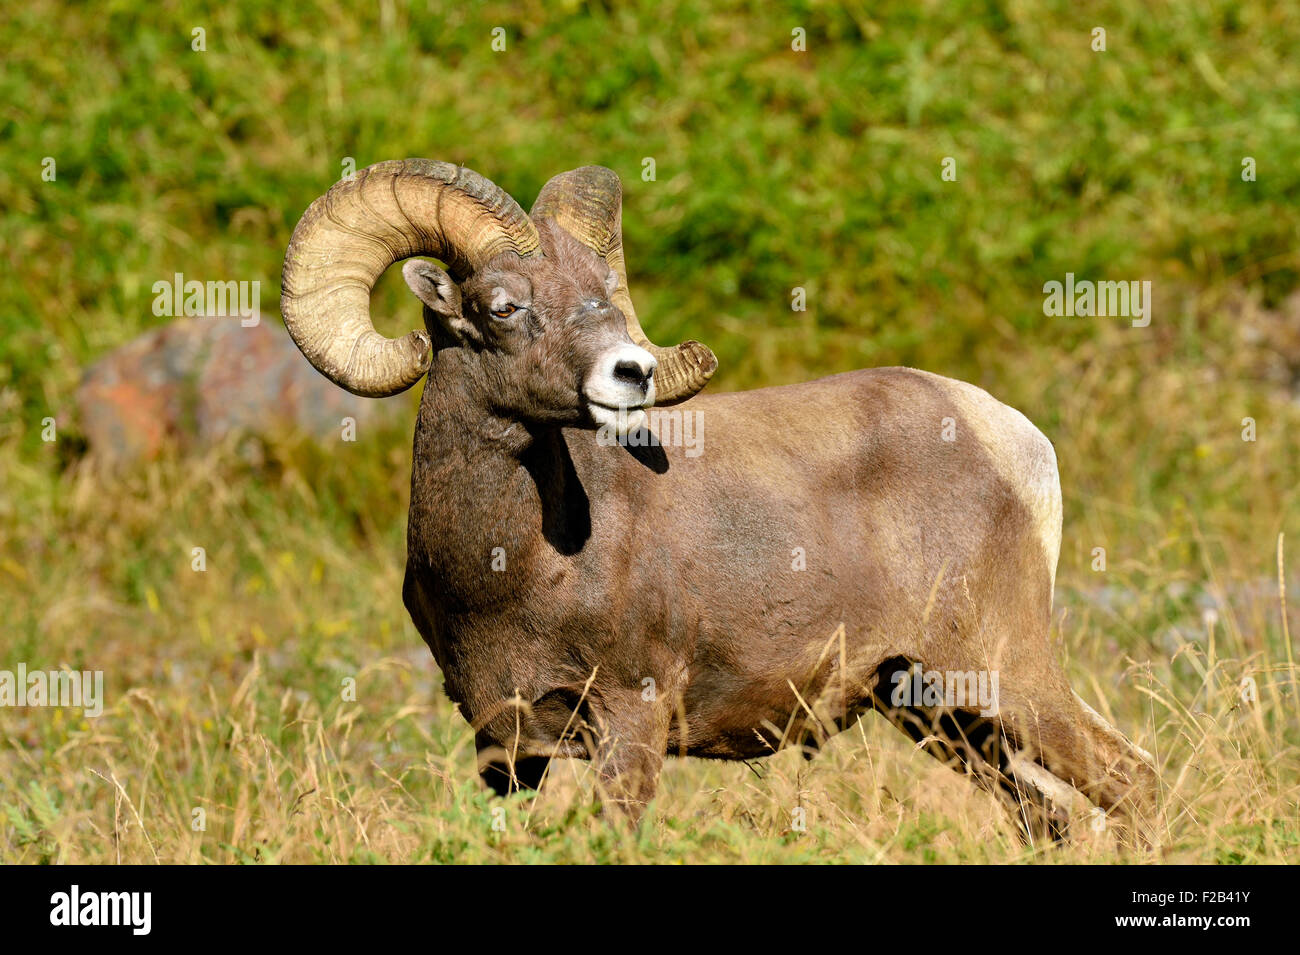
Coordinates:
<point>504,311</point>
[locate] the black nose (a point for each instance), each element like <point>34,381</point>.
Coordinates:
<point>632,373</point>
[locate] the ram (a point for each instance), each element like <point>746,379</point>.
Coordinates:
<point>592,592</point>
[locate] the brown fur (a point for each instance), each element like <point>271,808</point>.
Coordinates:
<point>624,564</point>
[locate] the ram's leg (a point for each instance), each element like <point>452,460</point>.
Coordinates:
<point>630,739</point>
<point>504,775</point>
<point>1045,805</point>
<point>1059,747</point>
<point>1041,723</point>
<point>973,745</point>
<point>517,742</point>
<point>1129,787</point>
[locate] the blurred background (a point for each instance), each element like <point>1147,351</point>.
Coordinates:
<point>141,140</point>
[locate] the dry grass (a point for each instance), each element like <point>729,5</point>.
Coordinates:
<point>225,694</point>
<point>225,688</point>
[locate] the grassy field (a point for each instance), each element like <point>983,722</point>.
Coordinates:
<point>774,169</point>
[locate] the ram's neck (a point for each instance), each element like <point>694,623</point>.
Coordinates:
<point>477,485</point>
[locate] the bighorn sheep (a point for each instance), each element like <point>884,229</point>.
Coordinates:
<point>622,600</point>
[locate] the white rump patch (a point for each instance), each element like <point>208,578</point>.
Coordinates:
<point>1022,455</point>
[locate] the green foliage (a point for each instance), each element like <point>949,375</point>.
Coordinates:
<point>775,169</point>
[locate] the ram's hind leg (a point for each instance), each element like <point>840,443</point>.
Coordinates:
<point>1127,783</point>
<point>1041,755</point>
<point>969,743</point>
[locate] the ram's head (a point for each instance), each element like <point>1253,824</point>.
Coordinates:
<point>538,304</point>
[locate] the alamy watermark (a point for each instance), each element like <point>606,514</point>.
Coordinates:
<point>1086,299</point>
<point>192,298</point>
<point>133,910</point>
<point>951,689</point>
<point>671,427</point>
<point>53,688</point>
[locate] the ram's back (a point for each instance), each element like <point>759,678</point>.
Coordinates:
<point>916,510</point>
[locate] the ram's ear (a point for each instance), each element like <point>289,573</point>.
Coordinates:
<point>441,295</point>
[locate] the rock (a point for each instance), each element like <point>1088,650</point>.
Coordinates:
<point>193,382</point>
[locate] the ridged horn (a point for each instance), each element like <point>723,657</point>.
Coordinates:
<point>349,236</point>
<point>587,203</point>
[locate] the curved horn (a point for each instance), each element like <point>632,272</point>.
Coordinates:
<point>587,203</point>
<point>349,236</point>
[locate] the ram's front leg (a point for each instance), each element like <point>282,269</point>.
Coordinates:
<point>630,729</point>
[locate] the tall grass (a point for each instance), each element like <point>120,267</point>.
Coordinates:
<point>773,170</point>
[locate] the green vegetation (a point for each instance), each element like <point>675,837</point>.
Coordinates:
<point>774,169</point>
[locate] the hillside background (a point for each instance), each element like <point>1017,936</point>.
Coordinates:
<point>774,169</point>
